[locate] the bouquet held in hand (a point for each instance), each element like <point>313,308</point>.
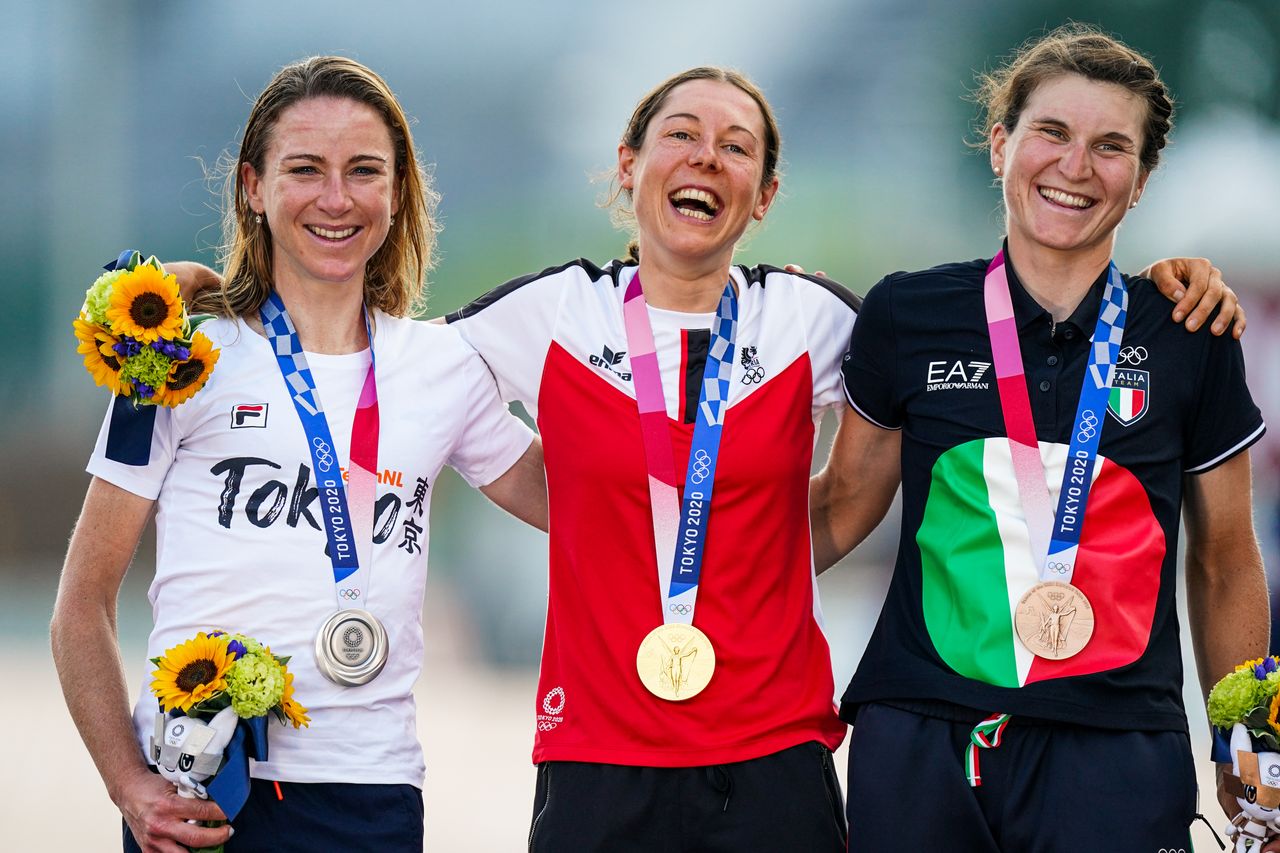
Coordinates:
<point>137,338</point>
<point>1244,708</point>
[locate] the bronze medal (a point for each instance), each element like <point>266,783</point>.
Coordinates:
<point>675,661</point>
<point>1054,620</point>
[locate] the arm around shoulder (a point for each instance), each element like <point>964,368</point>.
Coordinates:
<point>522,490</point>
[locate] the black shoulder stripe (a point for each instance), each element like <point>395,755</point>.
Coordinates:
<point>478,305</point>
<point>756,275</point>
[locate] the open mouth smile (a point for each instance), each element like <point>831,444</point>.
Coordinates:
<point>332,235</point>
<point>1066,199</point>
<point>695,203</point>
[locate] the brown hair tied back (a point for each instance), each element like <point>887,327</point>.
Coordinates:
<point>650,104</point>
<point>1076,49</point>
<point>395,276</point>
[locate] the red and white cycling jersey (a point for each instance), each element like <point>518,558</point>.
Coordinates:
<point>555,341</point>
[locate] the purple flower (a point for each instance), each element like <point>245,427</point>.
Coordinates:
<point>237,648</point>
<point>143,390</point>
<point>181,353</point>
<point>1259,673</point>
<point>1269,663</point>
<point>127,347</point>
<point>217,633</point>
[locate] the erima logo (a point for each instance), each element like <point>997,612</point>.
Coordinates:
<point>246,416</point>
<point>608,359</point>
<point>953,375</point>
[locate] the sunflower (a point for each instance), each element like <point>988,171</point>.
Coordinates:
<point>100,358</point>
<point>191,672</point>
<point>188,377</point>
<point>145,305</point>
<point>293,711</point>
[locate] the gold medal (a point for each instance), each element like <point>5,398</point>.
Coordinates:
<point>1054,620</point>
<point>675,661</point>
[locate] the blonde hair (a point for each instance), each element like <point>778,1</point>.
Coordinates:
<point>395,276</point>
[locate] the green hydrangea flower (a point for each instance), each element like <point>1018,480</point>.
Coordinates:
<point>147,366</point>
<point>95,301</point>
<point>255,684</point>
<point>251,645</point>
<point>1235,696</point>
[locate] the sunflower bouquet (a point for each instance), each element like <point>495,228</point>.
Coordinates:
<point>215,692</point>
<point>137,338</point>
<point>1244,708</point>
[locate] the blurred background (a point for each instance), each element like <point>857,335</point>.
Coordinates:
<point>117,114</point>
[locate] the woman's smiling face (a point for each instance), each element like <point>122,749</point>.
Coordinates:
<point>326,190</point>
<point>1070,166</point>
<point>696,182</point>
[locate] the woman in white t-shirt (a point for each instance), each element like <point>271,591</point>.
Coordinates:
<point>329,233</point>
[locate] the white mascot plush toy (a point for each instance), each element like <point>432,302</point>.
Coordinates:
<point>1256,787</point>
<point>188,751</point>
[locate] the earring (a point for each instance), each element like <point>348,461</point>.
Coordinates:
<point>393,219</point>
<point>257,218</point>
<point>996,169</point>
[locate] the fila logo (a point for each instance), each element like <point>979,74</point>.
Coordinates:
<point>249,416</point>
<point>954,375</point>
<point>608,359</point>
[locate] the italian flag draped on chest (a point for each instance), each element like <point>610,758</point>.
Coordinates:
<point>976,564</point>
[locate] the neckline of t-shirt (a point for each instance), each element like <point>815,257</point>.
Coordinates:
<point>325,361</point>
<point>682,319</point>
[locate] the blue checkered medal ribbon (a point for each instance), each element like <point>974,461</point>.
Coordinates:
<point>298,379</point>
<point>1086,435</point>
<point>704,450</point>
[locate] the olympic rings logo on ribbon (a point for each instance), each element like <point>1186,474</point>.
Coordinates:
<point>701,466</point>
<point>682,609</point>
<point>1133,355</point>
<point>324,456</point>
<point>350,593</point>
<point>1058,568</point>
<point>1088,426</point>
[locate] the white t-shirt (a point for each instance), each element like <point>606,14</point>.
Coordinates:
<point>240,539</point>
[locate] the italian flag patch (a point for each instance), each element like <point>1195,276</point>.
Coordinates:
<point>976,564</point>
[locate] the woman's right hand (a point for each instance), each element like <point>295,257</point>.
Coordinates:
<point>158,817</point>
<point>193,278</point>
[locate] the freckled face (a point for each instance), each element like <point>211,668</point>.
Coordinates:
<point>327,190</point>
<point>1070,167</point>
<point>696,180</point>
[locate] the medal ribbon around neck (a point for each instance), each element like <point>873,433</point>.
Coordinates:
<point>676,524</point>
<point>347,512</point>
<point>1054,535</point>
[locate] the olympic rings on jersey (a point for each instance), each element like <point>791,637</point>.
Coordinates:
<point>324,454</point>
<point>701,466</point>
<point>1088,426</point>
<point>350,593</point>
<point>546,726</point>
<point>1133,355</point>
<point>1058,568</point>
<point>682,609</point>
<point>753,376</point>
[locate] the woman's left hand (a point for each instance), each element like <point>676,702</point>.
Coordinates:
<point>1196,286</point>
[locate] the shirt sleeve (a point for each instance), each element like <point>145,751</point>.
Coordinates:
<point>1225,420</point>
<point>135,447</point>
<point>829,320</point>
<point>511,327</point>
<point>490,439</point>
<point>868,370</point>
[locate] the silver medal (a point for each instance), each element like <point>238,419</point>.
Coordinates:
<point>351,647</point>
